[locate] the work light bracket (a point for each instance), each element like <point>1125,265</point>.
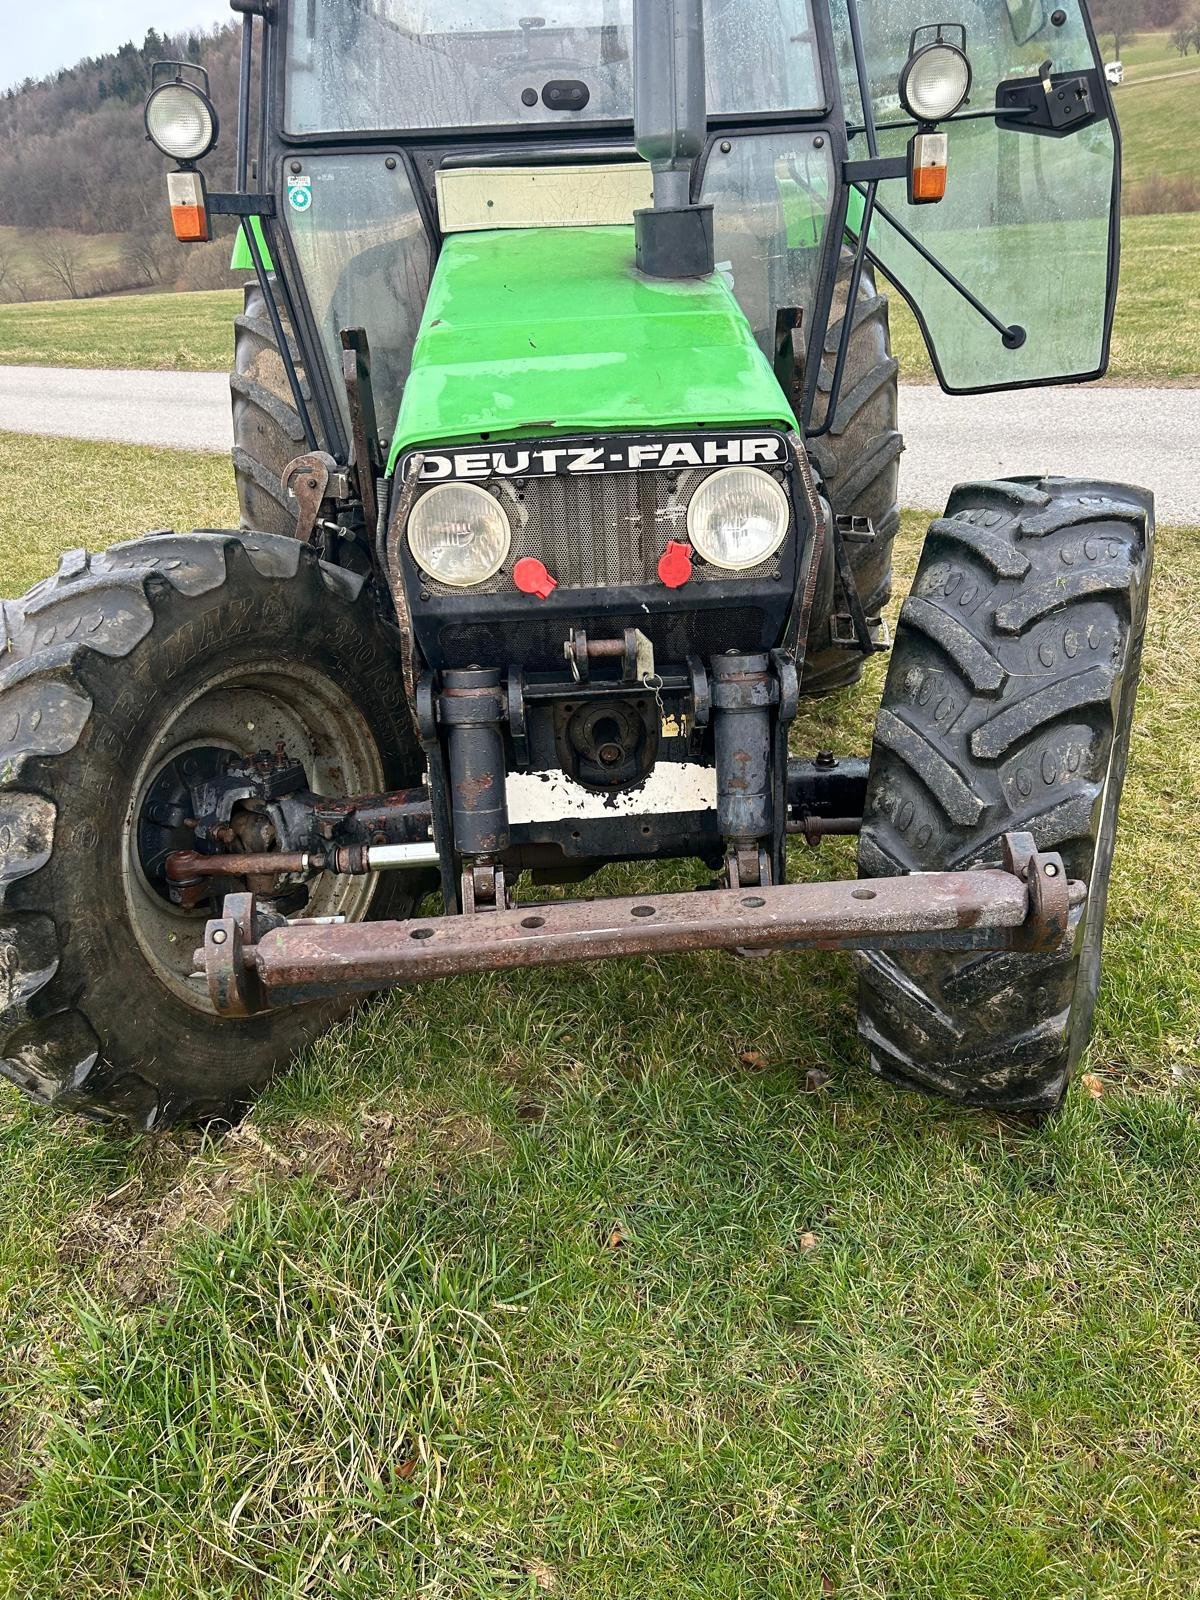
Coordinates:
<point>242,205</point>
<point>180,72</point>
<point>874,169</point>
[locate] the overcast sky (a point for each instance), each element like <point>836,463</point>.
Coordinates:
<point>41,36</point>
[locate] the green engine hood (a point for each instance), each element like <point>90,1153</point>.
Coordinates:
<point>547,331</point>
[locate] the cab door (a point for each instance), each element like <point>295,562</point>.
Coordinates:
<point>1029,222</point>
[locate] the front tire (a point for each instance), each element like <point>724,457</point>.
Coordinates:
<point>116,667</point>
<point>1008,706</point>
<point>267,431</point>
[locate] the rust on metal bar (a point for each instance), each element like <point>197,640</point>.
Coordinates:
<point>184,866</point>
<point>986,908</point>
<point>815,828</point>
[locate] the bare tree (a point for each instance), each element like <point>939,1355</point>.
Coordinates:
<point>143,253</point>
<point>6,269</point>
<point>62,258</point>
<point>1122,18</point>
<point>1186,34</point>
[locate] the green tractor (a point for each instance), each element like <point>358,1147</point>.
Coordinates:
<point>566,444</point>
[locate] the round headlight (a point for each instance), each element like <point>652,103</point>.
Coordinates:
<point>738,518</point>
<point>935,82</point>
<point>459,535</point>
<point>181,121</point>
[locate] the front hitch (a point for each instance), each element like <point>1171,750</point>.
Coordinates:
<point>254,963</point>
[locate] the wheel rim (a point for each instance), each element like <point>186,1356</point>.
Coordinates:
<point>248,708</point>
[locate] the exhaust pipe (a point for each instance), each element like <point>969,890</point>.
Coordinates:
<point>674,237</point>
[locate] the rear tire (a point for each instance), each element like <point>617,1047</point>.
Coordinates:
<point>1008,706</point>
<point>859,462</point>
<point>117,666</point>
<point>267,432</point>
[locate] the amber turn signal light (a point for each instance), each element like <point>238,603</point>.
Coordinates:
<point>189,207</point>
<point>927,157</point>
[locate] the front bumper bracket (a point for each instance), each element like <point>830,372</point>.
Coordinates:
<point>254,963</point>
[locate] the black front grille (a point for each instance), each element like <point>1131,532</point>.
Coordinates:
<point>601,530</point>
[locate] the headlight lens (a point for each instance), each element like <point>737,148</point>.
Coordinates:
<point>181,121</point>
<point>738,518</point>
<point>459,535</point>
<point>935,82</point>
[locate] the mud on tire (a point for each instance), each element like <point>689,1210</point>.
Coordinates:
<point>95,660</point>
<point>1007,706</point>
<point>858,461</point>
<point>267,431</point>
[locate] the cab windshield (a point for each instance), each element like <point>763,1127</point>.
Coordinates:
<point>420,65</point>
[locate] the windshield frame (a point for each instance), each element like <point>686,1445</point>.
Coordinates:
<point>423,152</point>
<point>566,131</point>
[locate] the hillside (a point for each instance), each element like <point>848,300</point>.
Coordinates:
<point>82,192</point>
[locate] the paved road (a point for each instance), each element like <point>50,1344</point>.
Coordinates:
<point>1149,436</point>
<point>1146,436</point>
<point>185,410</point>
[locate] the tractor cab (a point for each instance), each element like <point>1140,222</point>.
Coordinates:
<point>394,130</point>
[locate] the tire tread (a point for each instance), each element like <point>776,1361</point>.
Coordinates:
<point>1007,707</point>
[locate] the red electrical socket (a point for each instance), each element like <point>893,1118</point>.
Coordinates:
<point>531,577</point>
<point>675,564</point>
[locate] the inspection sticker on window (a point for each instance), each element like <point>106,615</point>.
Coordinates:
<point>300,193</point>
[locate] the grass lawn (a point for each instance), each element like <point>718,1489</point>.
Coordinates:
<point>560,1282</point>
<point>167,332</point>
<point>1160,128</point>
<point>1150,56</point>
<point>1156,335</point>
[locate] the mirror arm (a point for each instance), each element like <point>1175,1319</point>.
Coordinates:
<point>853,129</point>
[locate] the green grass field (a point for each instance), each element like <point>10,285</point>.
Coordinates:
<point>176,332</point>
<point>1156,335</point>
<point>22,247</point>
<point>1151,55</point>
<point>561,1282</point>
<point>1160,128</point>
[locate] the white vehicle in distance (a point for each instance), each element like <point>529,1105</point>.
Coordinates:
<point>1114,71</point>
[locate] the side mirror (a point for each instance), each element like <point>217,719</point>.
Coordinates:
<point>1026,18</point>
